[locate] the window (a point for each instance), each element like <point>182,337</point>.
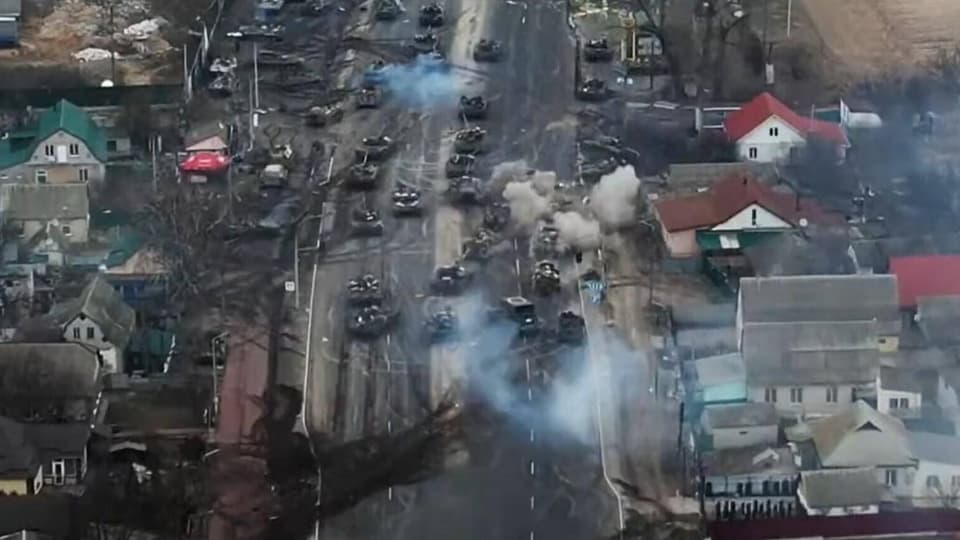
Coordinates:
<point>58,471</point>
<point>748,489</point>
<point>900,403</point>
<point>83,174</point>
<point>796,395</point>
<point>890,477</point>
<point>91,333</point>
<point>770,395</point>
<point>48,150</point>
<point>76,333</point>
<point>774,132</point>
<point>41,176</point>
<point>739,488</point>
<point>954,483</point>
<point>766,487</point>
<point>752,153</point>
<point>111,145</point>
<point>65,229</point>
<point>933,482</point>
<point>832,394</point>
<point>904,403</point>
<point>74,149</point>
<point>753,216</point>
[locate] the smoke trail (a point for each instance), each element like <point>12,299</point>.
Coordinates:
<point>576,231</point>
<point>613,199</point>
<point>422,84</point>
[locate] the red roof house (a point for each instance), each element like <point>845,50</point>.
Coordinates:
<point>735,204</point>
<point>766,130</point>
<point>925,275</point>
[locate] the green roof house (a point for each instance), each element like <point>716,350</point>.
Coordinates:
<point>62,146</point>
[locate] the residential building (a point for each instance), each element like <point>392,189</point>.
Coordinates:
<point>715,379</point>
<point>937,480</point>
<point>938,318</point>
<point>841,492</point>
<point>98,318</point>
<point>735,212</point>
<point>810,368</point>
<point>39,455</point>
<point>10,17</point>
<point>923,276</point>
<point>48,382</point>
<point>834,298</point>
<point>61,212</point>
<point>767,131</point>
<point>63,146</point>
<point>739,425</point>
<point>140,277</point>
<point>749,482</point>
<point>899,392</point>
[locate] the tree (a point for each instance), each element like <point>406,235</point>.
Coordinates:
<point>655,12</point>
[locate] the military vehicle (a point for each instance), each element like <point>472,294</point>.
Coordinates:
<point>407,201</point>
<point>546,278</point>
<point>465,190</point>
<point>496,216</point>
<point>546,243</point>
<point>469,140</point>
<point>320,116</point>
<point>431,15</point>
<point>473,108</point>
<point>460,165</point>
<point>370,321</point>
<point>441,324</point>
<point>387,10</point>
<point>364,290</point>
<point>592,89</point>
<point>366,222</point>
<point>425,43</point>
<point>597,50</point>
<point>363,175</point>
<point>571,328</point>
<point>477,247</point>
<point>369,97</point>
<point>374,149</point>
<point>450,279</point>
<point>488,50</point>
<point>519,310</point>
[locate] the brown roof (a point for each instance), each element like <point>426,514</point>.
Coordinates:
<point>731,195</point>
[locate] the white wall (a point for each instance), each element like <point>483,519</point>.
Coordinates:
<point>843,511</point>
<point>948,494</point>
<point>745,436</point>
<point>814,399</point>
<point>79,228</point>
<point>770,148</point>
<point>108,353</point>
<point>681,243</point>
<point>743,220</point>
<point>914,402</point>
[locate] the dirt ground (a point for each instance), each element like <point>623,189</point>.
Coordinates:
<point>866,38</point>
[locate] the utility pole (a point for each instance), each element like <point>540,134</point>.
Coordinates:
<point>256,76</point>
<point>113,52</point>
<point>154,143</point>
<point>789,16</point>
<point>296,265</point>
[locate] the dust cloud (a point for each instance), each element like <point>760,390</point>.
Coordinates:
<point>613,199</point>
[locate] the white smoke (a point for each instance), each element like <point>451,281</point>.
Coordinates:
<point>576,231</point>
<point>613,199</point>
<point>527,191</point>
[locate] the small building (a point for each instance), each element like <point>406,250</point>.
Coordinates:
<point>739,425</point>
<point>48,382</point>
<point>37,455</point>
<point>98,318</point>
<point>63,146</point>
<point>735,212</point>
<point>937,481</point>
<point>10,18</point>
<point>834,298</point>
<point>767,131</point>
<point>58,211</point>
<point>715,379</point>
<point>899,392</point>
<point>842,492</point>
<point>756,481</point>
<point>922,276</point>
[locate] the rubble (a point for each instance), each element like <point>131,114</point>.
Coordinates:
<point>320,116</point>
<point>145,29</point>
<point>546,278</point>
<point>473,108</point>
<point>93,54</point>
<point>450,279</point>
<point>265,32</point>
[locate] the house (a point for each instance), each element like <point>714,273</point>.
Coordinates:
<point>30,517</point>
<point>52,382</point>
<point>938,318</point>
<point>56,211</point>
<point>937,481</point>
<point>841,492</point>
<point>899,392</point>
<point>10,13</point>
<point>834,298</point>
<point>734,212</point>
<point>755,481</point>
<point>767,131</point>
<point>715,379</point>
<point>739,425</point>
<point>921,276</point>
<point>98,318</point>
<point>810,368</point>
<point>39,455</point>
<point>872,255</point>
<point>63,146</point>
<point>212,142</point>
<point>139,277</point>
<point>689,178</point>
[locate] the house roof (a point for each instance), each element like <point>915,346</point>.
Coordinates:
<point>935,447</point>
<point>900,380</point>
<point>925,275</point>
<point>18,458</point>
<point>10,8</point>
<point>875,253</point>
<point>822,298</point>
<point>740,415</point>
<point>841,488</point>
<point>69,367</point>
<point>938,318</point>
<point>740,123</point>
<point>796,255</point>
<point>861,437</point>
<point>748,460</point>
<point>102,303</point>
<point>64,116</point>
<point>44,201</point>
<point>718,369</point>
<point>692,176</point>
<point>58,440</point>
<point>731,195</point>
<point>810,352</point>
<point>55,516</point>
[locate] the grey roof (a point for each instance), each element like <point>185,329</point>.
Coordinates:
<point>18,459</point>
<point>44,201</point>
<point>861,437</point>
<point>748,460</point>
<point>720,369</point>
<point>822,298</point>
<point>740,415</point>
<point>795,255</point>
<point>875,253</point>
<point>58,440</point>
<point>841,488</point>
<point>938,318</point>
<point>900,379</point>
<point>690,176</point>
<point>810,352</point>
<point>935,447</point>
<point>54,516</point>
<point>10,8</point>
<point>69,368</point>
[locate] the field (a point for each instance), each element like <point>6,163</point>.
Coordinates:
<point>870,37</point>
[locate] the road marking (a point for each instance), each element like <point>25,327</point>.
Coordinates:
<point>533,468</point>
<point>527,362</point>
<point>529,394</point>
<point>390,494</point>
<point>531,435</point>
<point>531,534</point>
<point>389,426</point>
<point>532,504</point>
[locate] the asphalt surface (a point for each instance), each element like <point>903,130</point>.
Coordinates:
<point>526,477</point>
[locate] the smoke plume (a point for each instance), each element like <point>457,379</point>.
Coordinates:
<point>422,84</point>
<point>576,231</point>
<point>526,190</point>
<point>613,198</point>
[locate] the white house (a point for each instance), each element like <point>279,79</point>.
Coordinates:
<point>841,492</point>
<point>899,392</point>
<point>937,480</point>
<point>752,481</point>
<point>739,425</point>
<point>767,131</point>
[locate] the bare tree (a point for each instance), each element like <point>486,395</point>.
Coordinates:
<point>657,24</point>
